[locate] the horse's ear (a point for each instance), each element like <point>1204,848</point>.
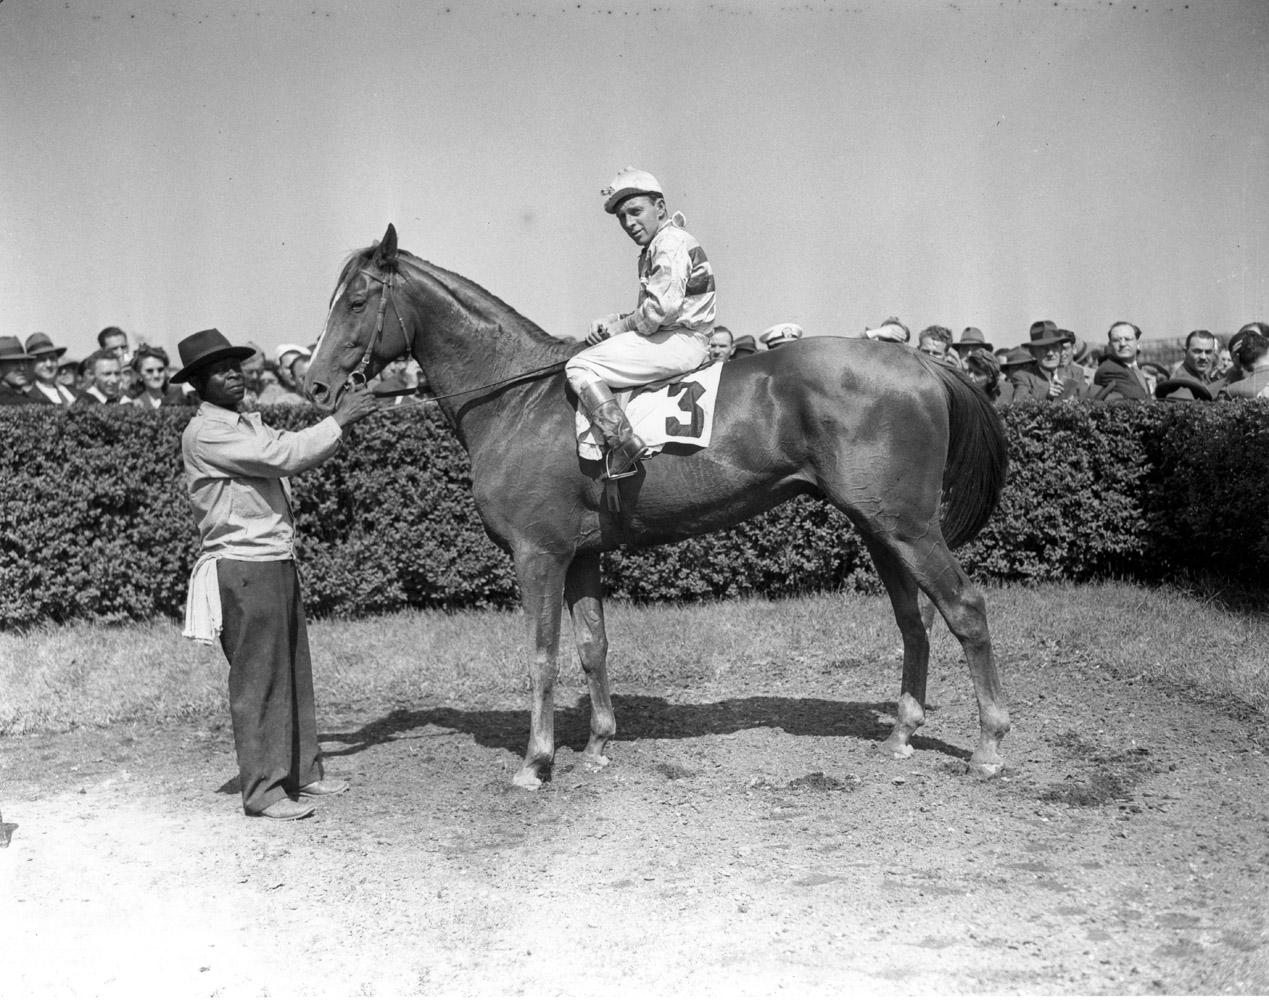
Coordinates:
<point>386,249</point>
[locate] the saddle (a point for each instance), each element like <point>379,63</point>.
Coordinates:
<point>677,410</point>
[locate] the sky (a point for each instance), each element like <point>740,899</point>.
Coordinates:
<point>169,166</point>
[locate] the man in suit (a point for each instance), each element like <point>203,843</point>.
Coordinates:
<point>1253,358</point>
<point>14,382</point>
<point>1118,377</point>
<point>45,365</point>
<point>1040,379</point>
<point>105,381</point>
<point>244,589</point>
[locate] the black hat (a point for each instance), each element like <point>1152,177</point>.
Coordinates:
<point>1044,332</point>
<point>972,339</point>
<point>1176,383</point>
<point>203,348</point>
<point>1017,356</point>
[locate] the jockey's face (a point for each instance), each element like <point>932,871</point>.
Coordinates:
<point>642,217</point>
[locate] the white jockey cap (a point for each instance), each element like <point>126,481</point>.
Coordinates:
<point>781,333</point>
<point>629,181</point>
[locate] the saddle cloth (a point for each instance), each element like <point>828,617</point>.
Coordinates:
<point>681,412</point>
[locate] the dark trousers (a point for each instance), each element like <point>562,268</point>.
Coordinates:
<point>270,679</point>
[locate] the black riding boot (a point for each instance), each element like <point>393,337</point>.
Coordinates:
<point>624,446</point>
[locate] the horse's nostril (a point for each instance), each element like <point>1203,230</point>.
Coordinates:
<point>318,391</point>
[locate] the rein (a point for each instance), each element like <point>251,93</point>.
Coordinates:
<point>358,375</point>
<point>418,390</point>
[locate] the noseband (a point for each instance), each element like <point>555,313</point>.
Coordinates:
<point>358,375</point>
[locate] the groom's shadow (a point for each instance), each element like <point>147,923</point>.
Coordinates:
<point>643,717</point>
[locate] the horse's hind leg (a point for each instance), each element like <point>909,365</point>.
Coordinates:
<point>908,613</point>
<point>541,577</point>
<point>583,592</point>
<point>962,606</point>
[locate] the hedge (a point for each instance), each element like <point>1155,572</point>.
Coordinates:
<point>95,523</point>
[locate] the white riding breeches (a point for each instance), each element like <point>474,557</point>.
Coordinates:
<point>629,359</point>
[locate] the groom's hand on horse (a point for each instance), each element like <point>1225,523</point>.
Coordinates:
<point>355,404</point>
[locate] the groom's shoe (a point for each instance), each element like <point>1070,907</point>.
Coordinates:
<point>327,786</point>
<point>286,809</point>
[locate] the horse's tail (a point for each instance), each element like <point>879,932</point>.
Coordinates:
<point>977,456</point>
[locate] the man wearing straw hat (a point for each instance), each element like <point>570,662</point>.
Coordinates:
<point>244,588</point>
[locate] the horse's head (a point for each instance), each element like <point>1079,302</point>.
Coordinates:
<point>364,327</point>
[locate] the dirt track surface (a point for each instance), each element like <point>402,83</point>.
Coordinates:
<point>746,840</point>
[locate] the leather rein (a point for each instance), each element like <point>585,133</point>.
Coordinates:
<point>358,375</point>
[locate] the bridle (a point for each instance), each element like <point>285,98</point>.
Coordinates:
<point>357,377</point>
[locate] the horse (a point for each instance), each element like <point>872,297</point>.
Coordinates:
<point>907,447</point>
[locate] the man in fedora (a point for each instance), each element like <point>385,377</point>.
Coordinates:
<point>1040,379</point>
<point>743,346</point>
<point>13,373</point>
<point>972,339</point>
<point>244,588</point>
<point>46,362</point>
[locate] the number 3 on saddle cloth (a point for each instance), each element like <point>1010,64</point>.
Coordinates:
<point>675,411</point>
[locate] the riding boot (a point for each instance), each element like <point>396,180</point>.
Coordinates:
<point>624,446</point>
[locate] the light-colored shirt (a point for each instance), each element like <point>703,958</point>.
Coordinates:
<point>235,471</point>
<point>56,393</point>
<point>676,286</point>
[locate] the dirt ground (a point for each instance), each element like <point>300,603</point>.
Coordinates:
<point>746,840</point>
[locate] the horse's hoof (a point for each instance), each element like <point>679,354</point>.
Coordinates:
<point>527,778</point>
<point>594,761</point>
<point>896,748</point>
<point>986,771</point>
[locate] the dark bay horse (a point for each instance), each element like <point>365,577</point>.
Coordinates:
<point>910,450</point>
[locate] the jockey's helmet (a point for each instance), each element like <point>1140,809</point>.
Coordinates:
<point>629,181</point>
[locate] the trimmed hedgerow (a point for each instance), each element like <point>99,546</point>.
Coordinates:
<point>95,523</point>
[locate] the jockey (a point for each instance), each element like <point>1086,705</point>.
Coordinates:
<point>668,332</point>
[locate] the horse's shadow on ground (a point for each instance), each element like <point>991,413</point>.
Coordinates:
<point>643,717</point>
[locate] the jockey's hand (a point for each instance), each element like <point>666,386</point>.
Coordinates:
<point>599,329</point>
<point>354,405</point>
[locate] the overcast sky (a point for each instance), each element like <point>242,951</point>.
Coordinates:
<point>169,166</point>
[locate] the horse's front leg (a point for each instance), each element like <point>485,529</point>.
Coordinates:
<point>541,577</point>
<point>583,590</point>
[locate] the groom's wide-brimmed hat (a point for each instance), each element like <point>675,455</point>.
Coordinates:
<point>203,348</point>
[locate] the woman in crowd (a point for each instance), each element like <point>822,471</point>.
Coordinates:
<point>151,365</point>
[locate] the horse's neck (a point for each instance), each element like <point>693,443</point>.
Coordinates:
<point>465,338</point>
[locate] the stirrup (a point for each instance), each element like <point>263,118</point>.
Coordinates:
<point>626,456</point>
<point>625,473</point>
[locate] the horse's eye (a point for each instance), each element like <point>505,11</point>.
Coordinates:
<point>356,305</point>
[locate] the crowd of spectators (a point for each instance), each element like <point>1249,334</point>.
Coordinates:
<point>1051,364</point>
<point>1054,364</point>
<point>38,372</point>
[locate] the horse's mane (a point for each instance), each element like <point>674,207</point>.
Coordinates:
<point>474,297</point>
